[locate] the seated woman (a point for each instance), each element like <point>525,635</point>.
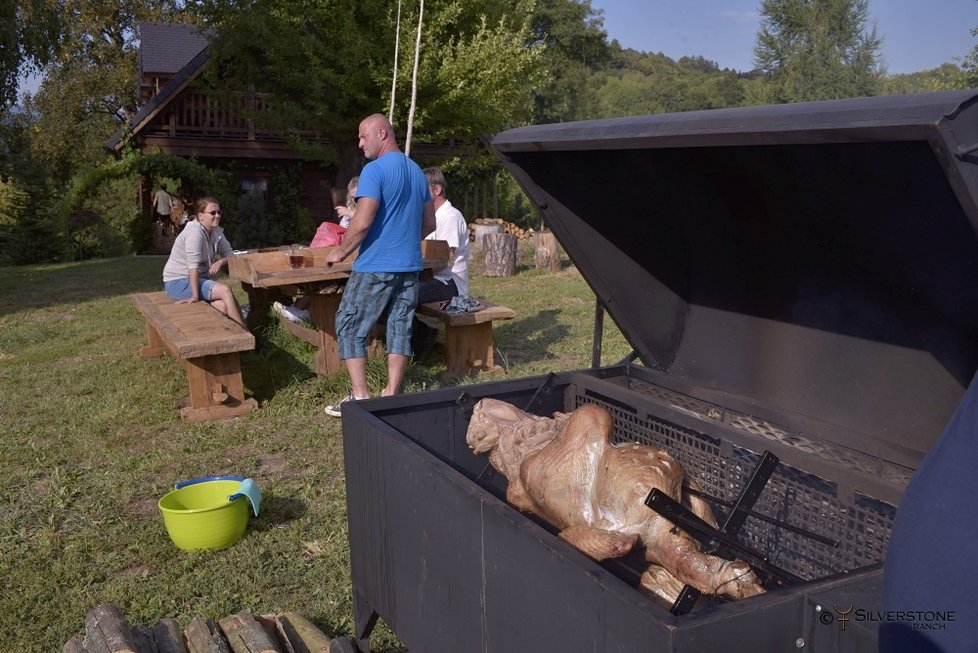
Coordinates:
<point>328,234</point>
<point>200,251</point>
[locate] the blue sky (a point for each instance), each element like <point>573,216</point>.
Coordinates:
<point>918,34</point>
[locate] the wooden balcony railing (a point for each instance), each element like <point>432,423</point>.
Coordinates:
<point>198,114</point>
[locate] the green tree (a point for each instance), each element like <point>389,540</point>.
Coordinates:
<point>816,50</point>
<point>642,83</point>
<point>324,66</point>
<point>943,78</point>
<point>970,65</point>
<point>29,229</point>
<point>576,46</point>
<point>91,87</point>
<point>30,31</point>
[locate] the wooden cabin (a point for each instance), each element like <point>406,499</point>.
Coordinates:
<point>181,118</point>
<point>178,116</point>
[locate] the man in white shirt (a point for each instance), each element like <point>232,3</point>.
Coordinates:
<point>449,226</point>
<point>452,280</point>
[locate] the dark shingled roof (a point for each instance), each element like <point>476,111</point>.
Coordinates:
<point>168,47</point>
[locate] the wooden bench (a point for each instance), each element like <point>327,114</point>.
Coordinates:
<point>206,343</point>
<point>468,336</point>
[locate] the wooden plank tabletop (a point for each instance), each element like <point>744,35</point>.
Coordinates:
<point>193,330</point>
<point>271,269</point>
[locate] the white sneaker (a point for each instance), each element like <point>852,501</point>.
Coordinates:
<point>284,312</point>
<point>336,409</point>
<point>245,309</point>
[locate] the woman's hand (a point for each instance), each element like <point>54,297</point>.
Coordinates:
<point>188,300</point>
<point>216,266</point>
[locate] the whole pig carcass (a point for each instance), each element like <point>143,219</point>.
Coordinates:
<point>566,471</point>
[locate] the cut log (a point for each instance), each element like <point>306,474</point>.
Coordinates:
<point>203,636</point>
<point>500,258</point>
<point>547,251</point>
<point>74,645</point>
<point>168,636</point>
<point>480,231</point>
<point>302,634</point>
<point>246,634</point>
<point>108,631</point>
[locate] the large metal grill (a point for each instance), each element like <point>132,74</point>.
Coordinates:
<point>798,282</point>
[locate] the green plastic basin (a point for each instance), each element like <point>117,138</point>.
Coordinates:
<point>200,516</point>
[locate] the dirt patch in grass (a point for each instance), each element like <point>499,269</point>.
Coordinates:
<point>142,510</point>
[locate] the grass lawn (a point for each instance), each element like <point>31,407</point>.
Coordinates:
<point>91,439</point>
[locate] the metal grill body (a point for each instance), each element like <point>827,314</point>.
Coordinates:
<point>798,279</point>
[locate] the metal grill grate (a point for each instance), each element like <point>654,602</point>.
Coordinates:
<point>750,424</point>
<point>861,526</point>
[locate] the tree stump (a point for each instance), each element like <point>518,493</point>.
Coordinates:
<point>500,258</point>
<point>481,231</point>
<point>547,251</point>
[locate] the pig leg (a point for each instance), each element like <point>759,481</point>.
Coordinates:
<point>661,583</point>
<point>597,543</point>
<point>710,574</point>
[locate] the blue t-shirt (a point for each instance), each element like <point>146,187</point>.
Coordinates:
<point>393,242</point>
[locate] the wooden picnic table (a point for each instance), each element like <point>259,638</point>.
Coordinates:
<point>266,277</point>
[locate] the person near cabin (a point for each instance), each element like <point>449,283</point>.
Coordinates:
<point>162,205</point>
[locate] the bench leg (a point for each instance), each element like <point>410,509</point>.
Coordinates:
<point>155,348</point>
<point>323,311</point>
<point>216,388</point>
<point>469,348</point>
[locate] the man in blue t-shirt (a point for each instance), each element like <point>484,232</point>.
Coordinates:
<point>394,212</point>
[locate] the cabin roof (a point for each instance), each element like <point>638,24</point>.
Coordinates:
<point>165,48</point>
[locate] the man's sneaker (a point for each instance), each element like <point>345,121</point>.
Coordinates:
<point>335,409</point>
<point>284,312</point>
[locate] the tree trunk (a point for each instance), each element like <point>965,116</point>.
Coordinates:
<point>500,255</point>
<point>547,251</point>
<point>495,194</point>
<point>481,231</point>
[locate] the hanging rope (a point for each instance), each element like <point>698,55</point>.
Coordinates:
<point>414,81</point>
<point>397,47</point>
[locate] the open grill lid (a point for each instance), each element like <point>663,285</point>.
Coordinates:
<point>817,258</point>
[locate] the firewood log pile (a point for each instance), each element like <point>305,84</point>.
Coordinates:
<point>108,631</point>
<point>508,227</point>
